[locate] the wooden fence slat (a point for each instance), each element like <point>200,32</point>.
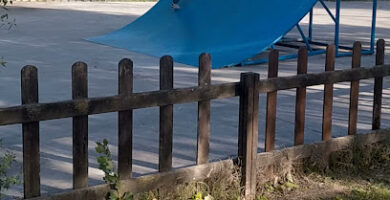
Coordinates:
<point>80,127</point>
<point>255,134</point>
<point>248,132</point>
<point>378,86</point>
<point>354,92</point>
<point>204,79</point>
<point>300,101</point>
<point>166,116</point>
<point>125,121</point>
<point>273,65</point>
<point>31,157</point>
<point>99,105</point>
<point>328,96</point>
<point>199,173</point>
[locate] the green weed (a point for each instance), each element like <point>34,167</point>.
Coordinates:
<point>110,174</point>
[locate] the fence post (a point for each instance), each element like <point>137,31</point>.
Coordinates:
<point>328,95</point>
<point>273,65</point>
<point>31,164</point>
<point>204,79</point>
<point>300,100</point>
<point>248,132</point>
<point>378,86</point>
<point>166,116</point>
<point>80,127</point>
<point>125,121</point>
<point>354,92</point>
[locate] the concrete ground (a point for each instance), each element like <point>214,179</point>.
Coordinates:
<point>50,36</point>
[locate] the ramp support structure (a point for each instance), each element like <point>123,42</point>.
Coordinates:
<point>341,50</point>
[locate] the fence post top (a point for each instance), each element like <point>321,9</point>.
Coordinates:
<point>126,61</point>
<point>166,58</point>
<point>205,55</point>
<point>249,76</point>
<point>204,62</point>
<point>205,58</point>
<point>274,51</point>
<point>302,49</point>
<point>78,63</point>
<point>29,68</point>
<point>381,41</point>
<point>357,44</point>
<point>79,66</point>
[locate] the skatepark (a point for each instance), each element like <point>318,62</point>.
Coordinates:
<point>52,37</point>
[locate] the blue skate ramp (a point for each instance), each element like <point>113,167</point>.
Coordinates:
<point>230,30</point>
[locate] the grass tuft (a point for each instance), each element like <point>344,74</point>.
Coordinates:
<point>358,172</point>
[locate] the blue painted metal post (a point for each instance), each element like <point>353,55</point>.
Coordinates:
<point>304,37</point>
<point>337,28</point>
<point>373,25</point>
<point>311,25</point>
<point>328,10</point>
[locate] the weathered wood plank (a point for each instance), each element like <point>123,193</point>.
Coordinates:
<point>270,124</point>
<point>328,96</point>
<point>204,79</point>
<point>125,121</point>
<point>166,117</point>
<point>255,136</point>
<point>321,149</point>
<point>65,109</point>
<point>300,100</point>
<point>80,127</point>
<point>31,158</point>
<point>354,92</point>
<point>248,132</point>
<point>200,172</point>
<point>331,77</point>
<point>378,86</point>
<point>148,182</point>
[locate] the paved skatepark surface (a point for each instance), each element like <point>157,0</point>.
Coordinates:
<point>51,37</point>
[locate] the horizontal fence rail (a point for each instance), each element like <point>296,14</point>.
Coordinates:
<point>65,109</point>
<point>31,112</point>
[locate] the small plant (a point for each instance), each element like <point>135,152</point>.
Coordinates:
<point>199,196</point>
<point>6,162</point>
<point>202,192</point>
<point>110,174</point>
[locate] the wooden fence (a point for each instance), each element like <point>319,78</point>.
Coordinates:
<point>31,112</point>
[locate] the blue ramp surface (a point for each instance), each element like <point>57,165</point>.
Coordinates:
<point>230,30</point>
